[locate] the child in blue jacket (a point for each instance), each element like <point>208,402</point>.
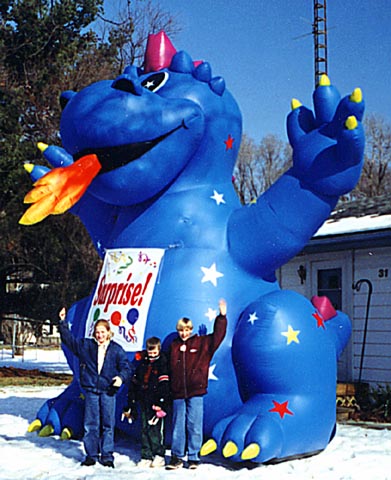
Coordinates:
<point>104,366</point>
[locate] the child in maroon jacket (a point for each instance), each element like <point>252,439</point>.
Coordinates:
<point>190,356</point>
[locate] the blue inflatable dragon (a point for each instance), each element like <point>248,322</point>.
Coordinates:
<point>147,162</point>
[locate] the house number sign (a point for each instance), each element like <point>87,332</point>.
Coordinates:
<point>383,273</point>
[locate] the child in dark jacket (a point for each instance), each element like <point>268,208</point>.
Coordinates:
<point>104,366</point>
<point>150,388</point>
<point>190,356</point>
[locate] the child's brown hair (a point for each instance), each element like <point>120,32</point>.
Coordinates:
<point>152,343</point>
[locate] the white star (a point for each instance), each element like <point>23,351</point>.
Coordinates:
<point>211,375</point>
<point>211,314</point>
<point>218,197</point>
<point>211,275</point>
<point>252,317</point>
<point>149,84</point>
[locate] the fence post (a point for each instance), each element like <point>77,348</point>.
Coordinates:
<point>13,337</point>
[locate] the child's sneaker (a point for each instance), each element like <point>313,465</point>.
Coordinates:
<point>193,464</point>
<point>158,461</point>
<point>144,463</point>
<point>88,462</point>
<point>175,463</point>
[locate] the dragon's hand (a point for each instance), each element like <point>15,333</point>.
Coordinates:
<point>59,189</point>
<point>328,146</point>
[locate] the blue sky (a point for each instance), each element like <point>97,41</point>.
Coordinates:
<point>253,44</point>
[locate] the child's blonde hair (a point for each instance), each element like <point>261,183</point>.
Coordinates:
<point>183,323</point>
<point>105,324</point>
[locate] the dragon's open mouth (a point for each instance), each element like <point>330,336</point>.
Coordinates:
<point>114,157</point>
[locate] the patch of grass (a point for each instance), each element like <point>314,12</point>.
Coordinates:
<point>36,381</point>
<point>10,376</point>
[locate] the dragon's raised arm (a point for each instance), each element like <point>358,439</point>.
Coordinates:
<point>327,160</point>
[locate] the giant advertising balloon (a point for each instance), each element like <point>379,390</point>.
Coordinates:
<point>146,163</point>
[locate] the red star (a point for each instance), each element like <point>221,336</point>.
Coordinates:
<point>281,408</point>
<point>319,319</point>
<point>229,142</point>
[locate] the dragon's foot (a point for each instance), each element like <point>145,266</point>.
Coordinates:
<point>61,416</point>
<point>270,428</point>
<point>64,415</point>
<point>246,437</point>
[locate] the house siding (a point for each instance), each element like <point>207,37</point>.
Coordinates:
<point>374,265</point>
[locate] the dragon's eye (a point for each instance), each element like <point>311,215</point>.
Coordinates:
<point>155,81</point>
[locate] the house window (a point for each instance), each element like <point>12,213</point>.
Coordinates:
<point>330,285</point>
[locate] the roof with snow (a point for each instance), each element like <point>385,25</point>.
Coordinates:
<point>355,224</point>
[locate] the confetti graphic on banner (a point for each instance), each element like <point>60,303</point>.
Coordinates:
<point>124,293</point>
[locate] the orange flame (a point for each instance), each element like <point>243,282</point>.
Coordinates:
<point>58,190</point>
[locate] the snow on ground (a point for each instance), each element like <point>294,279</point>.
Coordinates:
<point>48,360</point>
<point>355,452</point>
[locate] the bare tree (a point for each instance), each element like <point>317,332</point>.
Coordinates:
<point>376,175</point>
<point>259,166</point>
<point>274,157</point>
<point>243,171</point>
<point>130,26</point>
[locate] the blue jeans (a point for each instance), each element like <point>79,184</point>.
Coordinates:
<point>188,414</point>
<point>99,422</point>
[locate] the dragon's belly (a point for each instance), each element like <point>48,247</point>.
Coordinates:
<point>190,283</point>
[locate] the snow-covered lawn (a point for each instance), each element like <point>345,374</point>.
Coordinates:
<point>355,452</point>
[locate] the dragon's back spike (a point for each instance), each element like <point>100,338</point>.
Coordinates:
<point>159,52</point>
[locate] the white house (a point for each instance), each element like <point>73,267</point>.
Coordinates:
<point>349,260</point>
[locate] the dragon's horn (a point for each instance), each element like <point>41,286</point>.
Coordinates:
<point>158,53</point>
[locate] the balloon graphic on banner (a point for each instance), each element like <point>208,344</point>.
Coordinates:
<point>132,316</point>
<point>115,318</point>
<point>159,146</point>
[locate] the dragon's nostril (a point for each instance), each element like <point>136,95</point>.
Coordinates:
<point>127,85</point>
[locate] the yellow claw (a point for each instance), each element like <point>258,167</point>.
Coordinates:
<point>33,214</point>
<point>46,431</point>
<point>230,449</point>
<point>251,451</point>
<point>356,95</point>
<point>324,81</point>
<point>42,146</point>
<point>28,167</point>
<point>351,122</point>
<point>295,103</point>
<point>34,425</point>
<point>36,194</point>
<point>208,447</point>
<point>66,434</point>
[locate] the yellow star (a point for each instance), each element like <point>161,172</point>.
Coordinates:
<point>291,335</point>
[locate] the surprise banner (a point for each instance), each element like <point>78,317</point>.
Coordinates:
<point>124,293</point>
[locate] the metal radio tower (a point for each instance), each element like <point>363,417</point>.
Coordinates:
<point>320,39</point>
